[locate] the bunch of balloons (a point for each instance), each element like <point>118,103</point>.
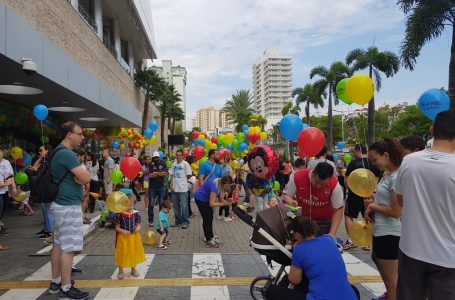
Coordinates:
<point>357,89</point>
<point>135,139</point>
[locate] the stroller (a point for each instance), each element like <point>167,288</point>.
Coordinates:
<point>271,232</point>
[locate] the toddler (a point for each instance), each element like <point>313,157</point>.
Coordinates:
<point>162,225</point>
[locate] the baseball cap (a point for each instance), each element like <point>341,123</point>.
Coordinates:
<point>156,154</point>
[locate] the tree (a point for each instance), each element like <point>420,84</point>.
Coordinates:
<point>289,108</point>
<point>411,121</point>
<point>257,120</point>
<point>308,96</point>
<point>376,62</point>
<point>239,108</point>
<point>177,114</point>
<point>152,85</point>
<point>426,19</point>
<point>169,104</point>
<point>326,85</point>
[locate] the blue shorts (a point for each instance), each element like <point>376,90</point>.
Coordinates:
<point>165,231</point>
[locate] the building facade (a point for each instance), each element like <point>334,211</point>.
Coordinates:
<point>210,119</point>
<point>272,85</point>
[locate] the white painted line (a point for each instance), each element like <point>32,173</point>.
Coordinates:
<point>126,293</point>
<point>87,228</point>
<point>208,265</point>
<point>355,266</point>
<point>43,273</point>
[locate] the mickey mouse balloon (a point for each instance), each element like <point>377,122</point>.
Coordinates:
<point>263,162</point>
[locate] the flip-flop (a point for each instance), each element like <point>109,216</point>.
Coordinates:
<point>120,276</point>
<point>3,248</point>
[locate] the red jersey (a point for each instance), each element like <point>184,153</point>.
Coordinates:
<point>319,208</point>
<point>235,197</point>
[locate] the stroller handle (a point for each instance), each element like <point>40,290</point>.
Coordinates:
<point>245,217</point>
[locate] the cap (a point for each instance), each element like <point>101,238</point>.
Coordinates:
<point>126,191</point>
<point>156,154</point>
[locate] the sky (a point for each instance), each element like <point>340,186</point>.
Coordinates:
<point>219,41</point>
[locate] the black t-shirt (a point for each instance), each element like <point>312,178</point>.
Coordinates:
<point>157,182</point>
<point>358,164</point>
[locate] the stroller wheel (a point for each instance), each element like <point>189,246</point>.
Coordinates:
<point>259,286</point>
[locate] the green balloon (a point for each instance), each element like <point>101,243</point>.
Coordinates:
<point>117,177</point>
<point>241,137</point>
<point>235,144</point>
<point>276,186</point>
<point>341,91</point>
<point>347,158</point>
<point>21,178</point>
<point>169,164</point>
<point>203,160</point>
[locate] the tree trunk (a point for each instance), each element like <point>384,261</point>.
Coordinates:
<point>173,126</point>
<point>163,123</point>
<point>371,136</point>
<point>145,113</point>
<point>451,90</point>
<point>330,122</point>
<point>307,112</point>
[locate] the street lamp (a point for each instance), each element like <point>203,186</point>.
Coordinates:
<point>342,122</point>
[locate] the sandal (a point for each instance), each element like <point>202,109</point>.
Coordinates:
<point>348,246</point>
<point>135,273</point>
<point>162,247</point>
<point>120,276</point>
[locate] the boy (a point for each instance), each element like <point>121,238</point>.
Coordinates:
<point>162,225</point>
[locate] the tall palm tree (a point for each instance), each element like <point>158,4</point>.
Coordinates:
<point>177,114</point>
<point>426,19</point>
<point>290,108</point>
<point>326,85</point>
<point>376,62</point>
<point>239,108</point>
<point>308,96</point>
<point>170,99</point>
<point>257,120</point>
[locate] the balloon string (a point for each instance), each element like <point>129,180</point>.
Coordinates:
<point>358,141</point>
<point>42,133</point>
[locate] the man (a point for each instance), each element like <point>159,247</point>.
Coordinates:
<point>108,168</point>
<point>411,144</point>
<point>354,203</point>
<point>425,187</point>
<point>179,173</point>
<point>6,182</point>
<point>67,213</point>
<point>211,168</point>
<point>321,156</point>
<point>157,172</point>
<point>320,196</point>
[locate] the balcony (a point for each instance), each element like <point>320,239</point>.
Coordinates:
<point>87,18</point>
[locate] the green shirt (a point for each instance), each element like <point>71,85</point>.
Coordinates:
<point>70,192</point>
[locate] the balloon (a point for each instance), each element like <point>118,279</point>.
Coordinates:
<point>240,137</point>
<point>195,135</point>
<point>290,127</point>
<point>117,202</point>
<point>244,127</point>
<point>149,238</point>
<point>161,154</point>
<point>185,153</point>
<point>341,91</point>
<point>362,182</point>
<point>276,186</point>
<point>230,148</point>
<point>16,153</point>
<point>220,139</point>
<point>40,112</point>
<point>198,152</point>
<point>152,140</point>
<point>169,164</point>
<point>115,145</point>
<point>203,160</point>
<point>227,153</point>
<point>340,145</point>
<point>214,140</point>
<point>130,167</point>
<point>263,136</point>
<point>94,195</point>
<point>46,139</point>
<point>235,165</point>
<point>117,177</point>
<point>360,89</point>
<point>347,158</point>
<point>148,133</point>
<point>310,141</point>
<point>336,157</point>
<point>243,147</point>
<point>229,138</point>
<point>153,125</point>
<point>263,162</point>
<point>21,178</point>
<point>201,137</point>
<point>432,102</point>
<point>235,144</point>
<point>195,168</point>
<point>361,233</point>
<point>19,196</point>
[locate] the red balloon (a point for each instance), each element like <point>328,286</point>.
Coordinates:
<point>198,152</point>
<point>185,153</point>
<point>221,154</point>
<point>214,140</point>
<point>227,153</point>
<point>195,135</point>
<point>263,162</point>
<point>310,141</point>
<point>255,138</point>
<point>130,167</point>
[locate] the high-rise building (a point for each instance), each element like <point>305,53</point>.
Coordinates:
<point>210,119</point>
<point>177,77</point>
<point>272,85</point>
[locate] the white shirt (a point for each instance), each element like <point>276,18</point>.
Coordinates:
<point>426,180</point>
<point>93,170</point>
<point>179,173</point>
<point>6,170</point>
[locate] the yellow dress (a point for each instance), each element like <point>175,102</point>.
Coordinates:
<point>129,251</point>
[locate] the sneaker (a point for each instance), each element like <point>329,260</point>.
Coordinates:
<point>220,243</point>
<point>54,288</point>
<point>227,219</point>
<point>4,231</point>
<point>212,244</point>
<point>75,270</point>
<point>41,232</point>
<point>162,247</point>
<point>381,297</point>
<point>184,226</point>
<point>44,236</point>
<point>167,242</point>
<point>72,294</point>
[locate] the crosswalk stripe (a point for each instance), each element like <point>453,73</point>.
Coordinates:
<point>127,293</point>
<point>43,273</point>
<point>208,265</point>
<point>355,266</point>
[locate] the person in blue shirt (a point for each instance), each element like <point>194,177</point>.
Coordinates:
<point>211,168</point>
<point>318,261</point>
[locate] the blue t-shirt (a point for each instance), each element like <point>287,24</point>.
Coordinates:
<point>162,216</point>
<point>203,193</point>
<point>207,167</point>
<point>323,265</point>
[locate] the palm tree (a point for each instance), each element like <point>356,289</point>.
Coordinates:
<point>152,85</point>
<point>376,62</point>
<point>426,19</point>
<point>177,114</point>
<point>169,99</point>
<point>257,120</point>
<point>307,95</point>
<point>327,85</point>
<point>290,108</point>
<point>239,108</point>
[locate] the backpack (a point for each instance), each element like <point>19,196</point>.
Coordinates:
<point>42,186</point>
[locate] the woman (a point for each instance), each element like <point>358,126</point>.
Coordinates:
<point>385,214</point>
<point>92,167</point>
<point>317,260</point>
<point>6,183</point>
<point>44,153</point>
<point>191,160</point>
<point>206,199</point>
<point>145,186</point>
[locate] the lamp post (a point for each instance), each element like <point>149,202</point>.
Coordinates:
<point>342,122</point>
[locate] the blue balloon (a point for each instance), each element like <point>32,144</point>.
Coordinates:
<point>201,142</point>
<point>245,128</point>
<point>290,127</point>
<point>115,145</point>
<point>245,132</point>
<point>148,133</point>
<point>340,145</point>
<point>243,147</point>
<point>229,147</point>
<point>40,112</point>
<point>336,157</point>
<point>161,154</point>
<point>153,125</point>
<point>433,102</point>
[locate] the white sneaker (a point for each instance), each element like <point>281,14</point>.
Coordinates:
<point>227,219</point>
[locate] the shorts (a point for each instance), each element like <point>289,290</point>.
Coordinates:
<point>146,184</point>
<point>353,207</point>
<point>165,231</point>
<point>386,246</point>
<point>68,228</point>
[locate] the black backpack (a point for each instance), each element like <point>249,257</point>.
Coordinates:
<point>42,187</point>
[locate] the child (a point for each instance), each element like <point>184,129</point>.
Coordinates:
<point>163,224</point>
<point>225,196</point>
<point>235,196</point>
<point>128,245</point>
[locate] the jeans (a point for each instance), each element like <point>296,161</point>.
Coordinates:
<point>180,206</point>
<point>155,196</point>
<point>2,205</point>
<point>190,195</point>
<point>207,218</point>
<point>48,218</point>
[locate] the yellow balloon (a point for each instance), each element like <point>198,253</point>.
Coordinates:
<point>362,182</point>
<point>195,168</point>
<point>16,153</point>
<point>235,165</point>
<point>207,144</point>
<point>257,130</point>
<point>149,238</point>
<point>117,202</point>
<point>263,136</point>
<point>360,89</point>
<point>94,195</point>
<point>152,140</point>
<point>201,137</point>
<point>251,145</point>
<point>229,138</point>
<point>19,196</point>
<point>361,233</point>
<point>251,130</point>
<point>213,146</point>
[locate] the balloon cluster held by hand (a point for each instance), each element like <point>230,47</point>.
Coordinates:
<point>432,102</point>
<point>357,89</point>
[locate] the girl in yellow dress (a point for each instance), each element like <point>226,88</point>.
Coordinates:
<point>129,251</point>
